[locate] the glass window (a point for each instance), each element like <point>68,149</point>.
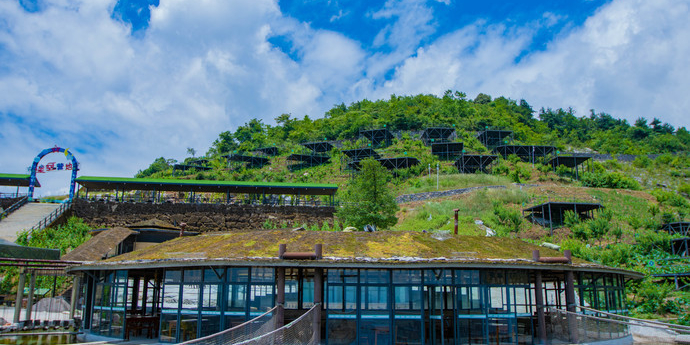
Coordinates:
<point>192,276</point>
<point>173,276</point>
<point>467,277</point>
<point>438,277</point>
<point>374,298</point>
<point>211,297</point>
<point>171,296</point>
<point>237,298</point>
<point>342,298</point>
<point>407,277</point>
<point>238,275</point>
<point>262,275</point>
<point>214,275</point>
<point>408,298</point>
<point>348,276</point>
<point>260,299</point>
<point>190,296</point>
<point>495,277</point>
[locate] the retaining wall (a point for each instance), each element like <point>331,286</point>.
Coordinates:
<point>200,217</point>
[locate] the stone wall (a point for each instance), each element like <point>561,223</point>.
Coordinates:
<point>200,217</point>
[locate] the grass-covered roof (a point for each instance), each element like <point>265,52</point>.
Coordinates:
<point>126,183</point>
<point>339,247</point>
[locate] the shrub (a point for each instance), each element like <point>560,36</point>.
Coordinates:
<point>642,162</point>
<point>609,180</point>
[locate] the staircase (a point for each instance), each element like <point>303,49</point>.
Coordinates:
<point>31,215</point>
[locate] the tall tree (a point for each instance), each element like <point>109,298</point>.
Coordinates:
<point>369,199</point>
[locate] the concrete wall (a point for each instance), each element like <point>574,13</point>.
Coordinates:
<point>200,217</point>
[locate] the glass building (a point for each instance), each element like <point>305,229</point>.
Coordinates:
<point>391,299</point>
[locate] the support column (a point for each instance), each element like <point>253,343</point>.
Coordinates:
<point>571,305</point>
<point>135,295</point>
<point>318,301</point>
<point>550,219</point>
<point>539,296</point>
<point>30,299</point>
<point>280,296</point>
<point>20,295</point>
<point>75,296</point>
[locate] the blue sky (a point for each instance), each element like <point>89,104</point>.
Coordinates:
<point>123,82</point>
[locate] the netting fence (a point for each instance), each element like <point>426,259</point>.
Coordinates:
<point>576,328</point>
<point>262,330</point>
<point>253,328</point>
<point>300,331</point>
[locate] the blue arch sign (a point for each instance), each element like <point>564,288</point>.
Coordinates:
<point>34,167</point>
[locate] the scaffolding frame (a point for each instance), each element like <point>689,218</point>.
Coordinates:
<point>437,134</point>
<point>389,163</point>
<point>248,161</point>
<point>681,246</point>
<point>359,154</point>
<point>527,153</point>
<point>380,137</point>
<point>470,164</point>
<point>447,151</point>
<point>572,162</point>
<point>491,138</point>
<point>307,161</point>
<point>552,213</point>
<point>185,167</point>
<point>268,151</point>
<point>318,146</point>
<point>677,228</point>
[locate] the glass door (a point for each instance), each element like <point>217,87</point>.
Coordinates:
<point>439,306</point>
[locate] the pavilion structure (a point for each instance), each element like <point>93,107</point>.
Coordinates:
<point>200,190</point>
<point>552,213</point>
<point>491,138</point>
<point>472,163</point>
<point>527,153</point>
<point>248,161</point>
<point>571,161</point>
<point>317,156</point>
<point>15,180</point>
<point>420,290</point>
<point>437,135</point>
<point>188,167</point>
<point>359,154</point>
<point>268,150</point>
<point>389,163</point>
<point>380,137</point>
<point>447,150</point>
<point>677,228</point>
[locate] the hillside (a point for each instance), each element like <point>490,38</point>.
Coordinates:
<point>639,173</point>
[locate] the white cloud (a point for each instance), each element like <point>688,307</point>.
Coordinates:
<point>72,76</point>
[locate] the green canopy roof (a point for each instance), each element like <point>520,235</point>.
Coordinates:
<point>21,180</point>
<point>124,183</point>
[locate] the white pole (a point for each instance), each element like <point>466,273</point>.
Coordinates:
<point>429,169</point>
<point>436,176</point>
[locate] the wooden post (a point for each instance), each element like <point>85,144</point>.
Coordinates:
<point>30,299</point>
<point>20,295</point>
<point>456,220</point>
<point>318,302</point>
<point>539,296</point>
<point>571,305</point>
<point>280,297</point>
<point>550,219</point>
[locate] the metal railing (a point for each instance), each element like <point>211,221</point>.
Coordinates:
<point>14,207</point>
<point>49,219</point>
<point>268,201</point>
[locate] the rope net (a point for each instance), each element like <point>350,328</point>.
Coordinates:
<point>257,326</point>
<point>300,331</point>
<point>262,330</point>
<point>578,328</point>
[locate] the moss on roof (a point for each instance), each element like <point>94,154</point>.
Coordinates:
<point>153,223</point>
<point>395,245</point>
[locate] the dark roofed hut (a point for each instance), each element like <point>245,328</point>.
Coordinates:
<point>370,285</point>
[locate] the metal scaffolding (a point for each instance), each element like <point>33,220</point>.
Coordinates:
<point>437,135</point>
<point>527,153</point>
<point>390,163</point>
<point>469,164</point>
<point>447,151</point>
<point>381,137</point>
<point>491,138</point>
<point>248,161</point>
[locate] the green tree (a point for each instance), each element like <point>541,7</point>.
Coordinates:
<point>369,199</point>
